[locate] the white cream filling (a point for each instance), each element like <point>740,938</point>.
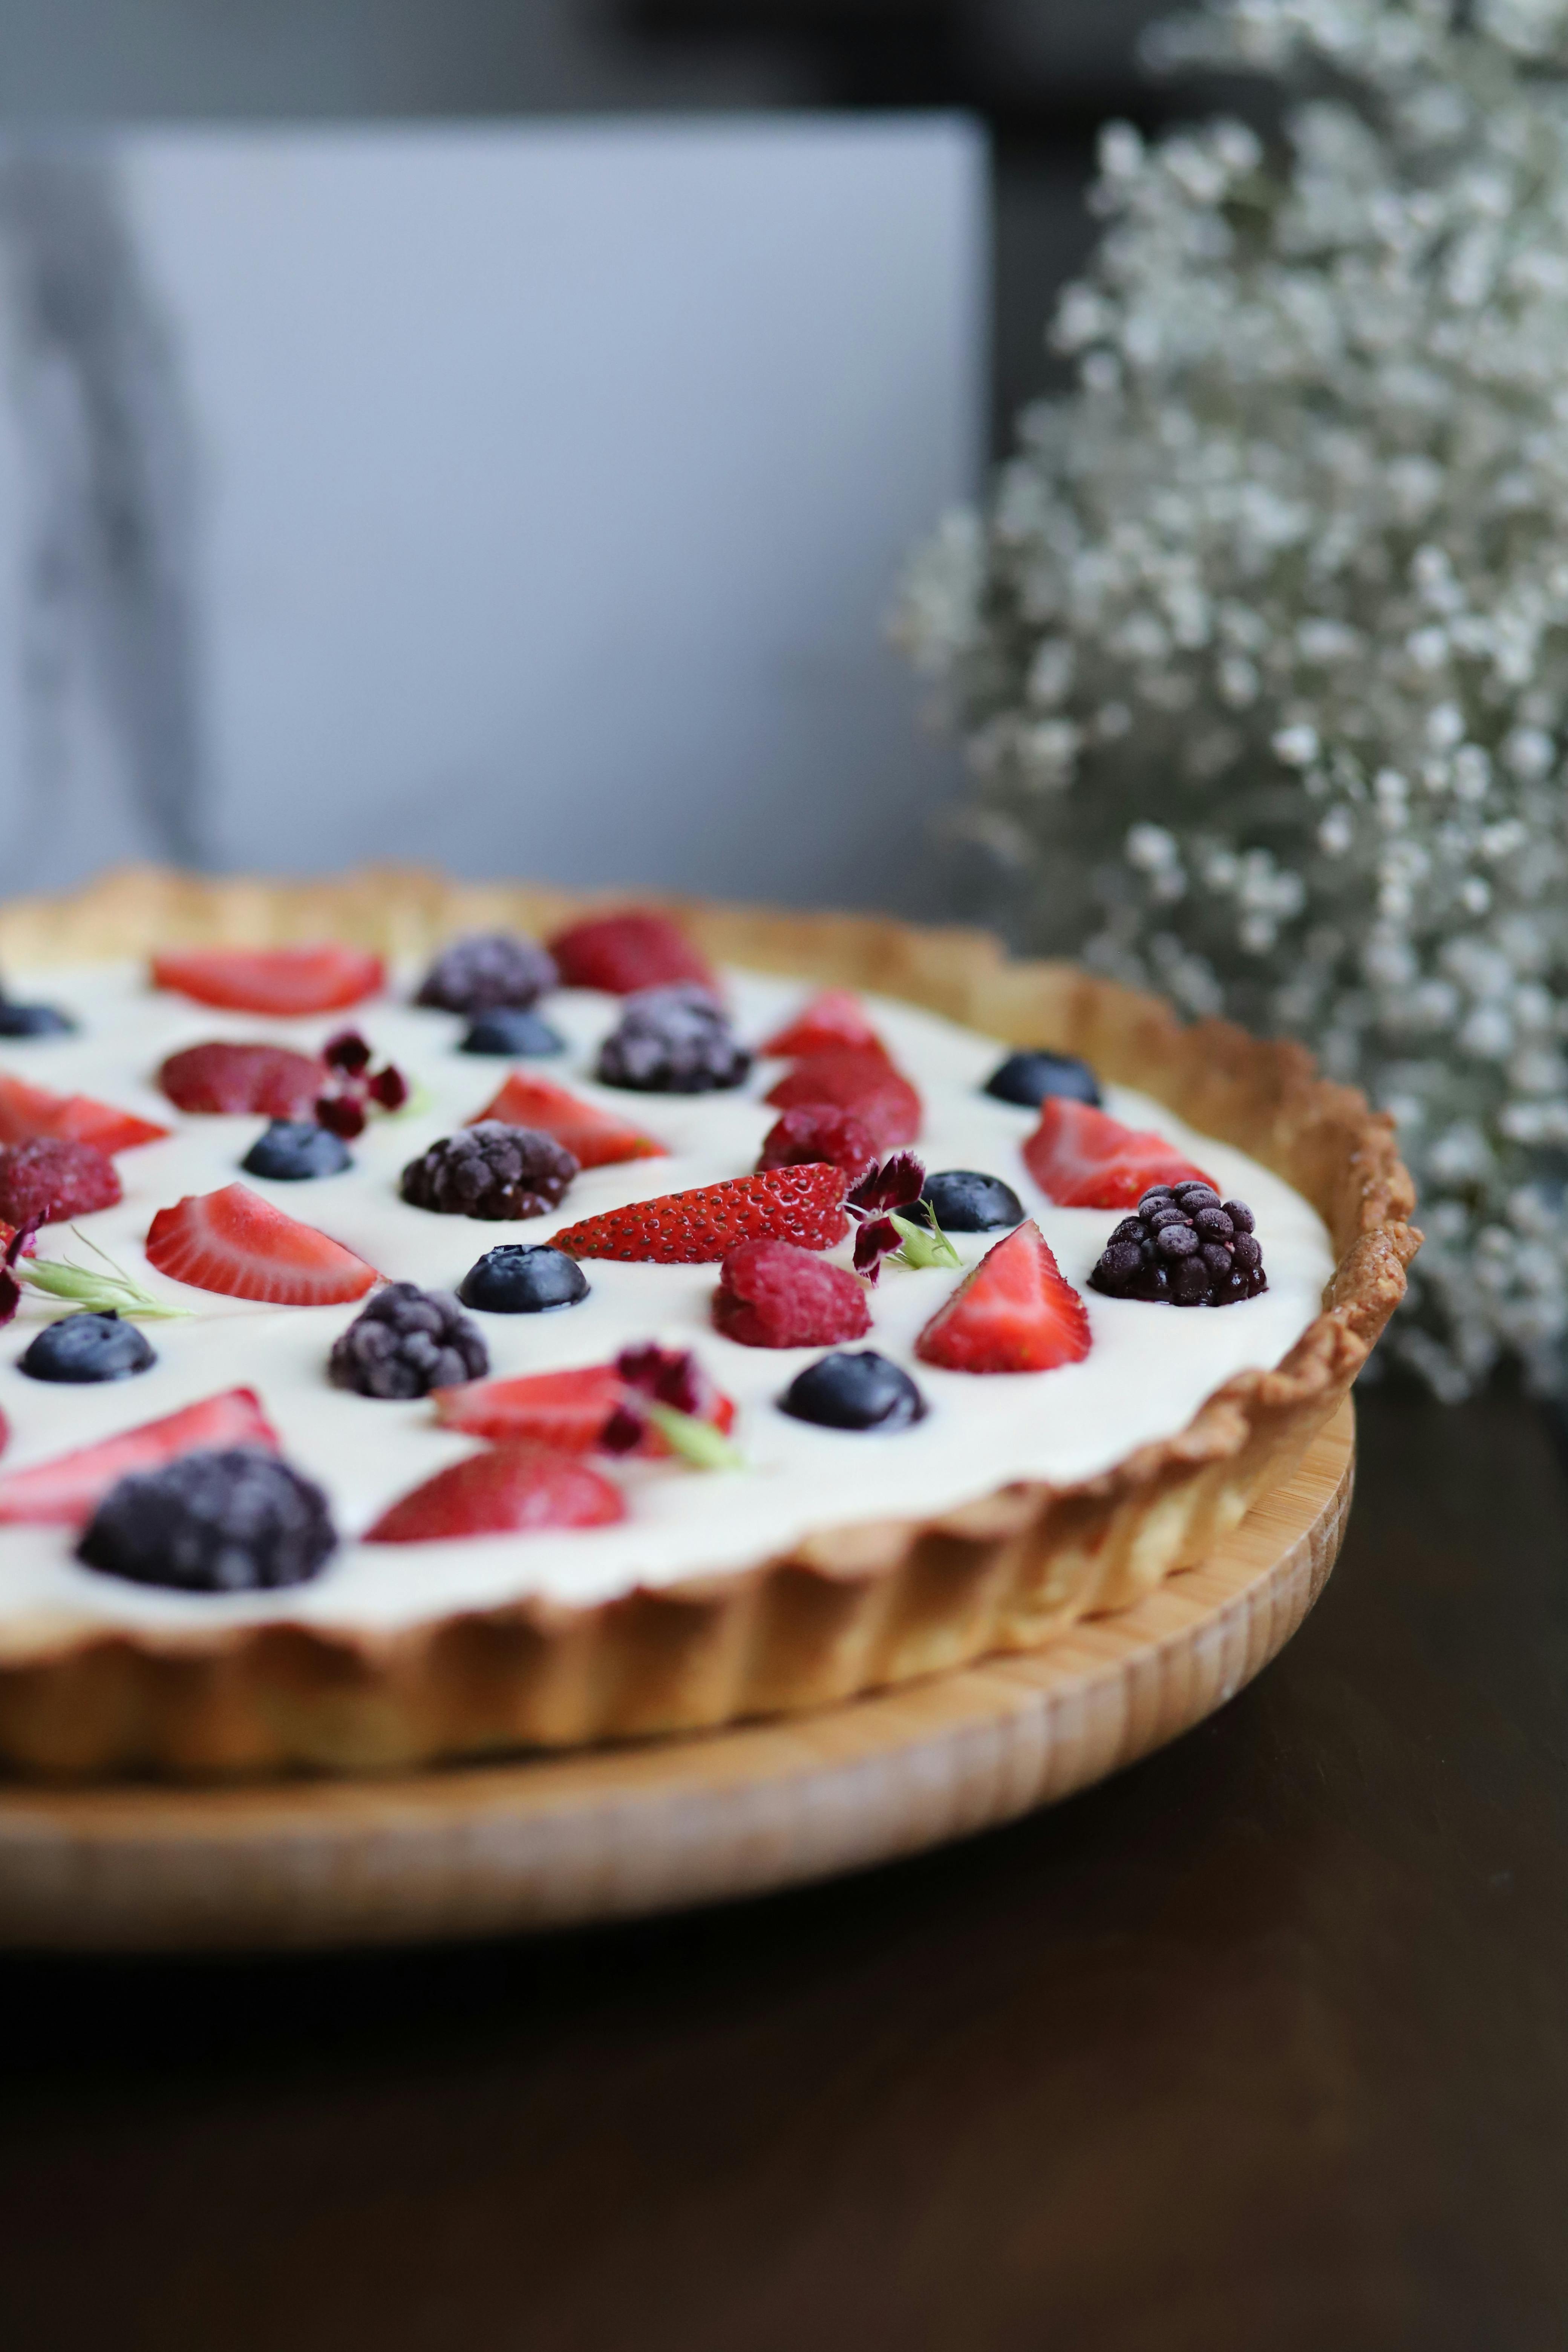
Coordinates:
<point>1148,1371</point>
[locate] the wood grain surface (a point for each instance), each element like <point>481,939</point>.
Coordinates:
<point>621,1831</point>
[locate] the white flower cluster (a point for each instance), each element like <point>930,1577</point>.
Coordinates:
<point>1261,648</point>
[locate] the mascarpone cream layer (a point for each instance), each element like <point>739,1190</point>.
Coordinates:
<point>1148,1369</point>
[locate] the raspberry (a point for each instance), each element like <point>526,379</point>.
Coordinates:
<point>672,1041</point>
<point>773,1295</point>
<point>626,952</point>
<point>491,1172</point>
<point>234,1521</point>
<point>407,1342</point>
<point>53,1181</point>
<point>862,1082</point>
<point>486,969</point>
<point>1185,1246</point>
<point>817,1131</point>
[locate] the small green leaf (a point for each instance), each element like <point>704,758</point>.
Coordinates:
<point>925,1245</point>
<point>84,1287</point>
<point>696,1441</point>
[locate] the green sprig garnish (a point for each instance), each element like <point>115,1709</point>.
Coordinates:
<point>114,1293</point>
<point>696,1441</point>
<point>925,1245</point>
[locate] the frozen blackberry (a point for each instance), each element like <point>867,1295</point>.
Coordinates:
<point>234,1521</point>
<point>1183,1245</point>
<point>1029,1078</point>
<point>490,1171</point>
<point>82,1347</point>
<point>487,968</point>
<point>514,1032</point>
<point>406,1343</point>
<point>673,1041</point>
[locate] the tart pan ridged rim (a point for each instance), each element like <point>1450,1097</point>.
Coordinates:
<point>853,1609</point>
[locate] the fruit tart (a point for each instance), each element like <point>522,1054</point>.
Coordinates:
<point>440,1320</point>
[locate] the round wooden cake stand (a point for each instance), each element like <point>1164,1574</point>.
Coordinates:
<point>549,1841</point>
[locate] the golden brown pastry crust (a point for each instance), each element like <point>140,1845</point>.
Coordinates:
<point>853,1609</point>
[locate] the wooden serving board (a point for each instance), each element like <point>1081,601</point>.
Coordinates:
<point>551,1841</point>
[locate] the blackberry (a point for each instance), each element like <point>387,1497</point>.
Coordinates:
<point>295,1152</point>
<point>82,1347</point>
<point>513,1031</point>
<point>673,1041</point>
<point>523,1278</point>
<point>33,1021</point>
<point>491,1172</point>
<point>233,1521</point>
<point>1029,1078</point>
<point>407,1342</point>
<point>853,1391</point>
<point>1184,1246</point>
<point>965,1202</point>
<point>487,969</point>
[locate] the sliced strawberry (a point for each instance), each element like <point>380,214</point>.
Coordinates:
<point>67,1491</point>
<point>857,1080</point>
<point>817,1131</point>
<point>1081,1159</point>
<point>1013,1313</point>
<point>833,1022</point>
<point>622,953</point>
<point>53,1182</point>
<point>271,1080</point>
<point>571,1409</point>
<point>236,1243</point>
<point>283,981</point>
<point>27,1110</point>
<point>517,1489</point>
<point>786,1204</point>
<point>596,1138</point>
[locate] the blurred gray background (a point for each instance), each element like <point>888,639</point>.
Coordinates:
<point>233,713</point>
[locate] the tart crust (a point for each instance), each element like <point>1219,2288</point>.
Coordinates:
<point>855,1608</point>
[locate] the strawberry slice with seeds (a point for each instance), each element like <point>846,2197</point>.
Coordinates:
<point>66,1492</point>
<point>857,1080</point>
<point>786,1204</point>
<point>235,1242</point>
<point>519,1489</point>
<point>595,1138</point>
<point>1015,1312</point>
<point>227,1078</point>
<point>571,1409</point>
<point>26,1111</point>
<point>833,1022</point>
<point>1082,1159</point>
<point>286,981</point>
<point>622,953</point>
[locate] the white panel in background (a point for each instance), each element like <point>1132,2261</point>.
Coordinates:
<point>539,495</point>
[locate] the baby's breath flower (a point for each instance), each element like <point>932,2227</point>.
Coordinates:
<point>1261,649</point>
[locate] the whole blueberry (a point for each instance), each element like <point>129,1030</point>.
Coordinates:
<point>523,1279</point>
<point>862,1390</point>
<point>293,1151</point>
<point>35,1021</point>
<point>965,1202</point>
<point>86,1348</point>
<point>514,1032</point>
<point>1029,1078</point>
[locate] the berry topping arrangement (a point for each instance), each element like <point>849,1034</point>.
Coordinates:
<point>668,1378</point>
<point>1186,1246</point>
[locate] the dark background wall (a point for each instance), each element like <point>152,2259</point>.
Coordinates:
<point>1042,73</point>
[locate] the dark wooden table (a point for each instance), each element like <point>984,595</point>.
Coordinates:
<point>1264,2043</point>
